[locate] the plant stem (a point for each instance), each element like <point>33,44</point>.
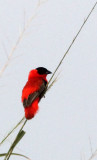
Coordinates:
<point>14,143</point>
<point>12,130</point>
<point>73,41</point>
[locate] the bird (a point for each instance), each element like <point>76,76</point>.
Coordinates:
<point>34,90</point>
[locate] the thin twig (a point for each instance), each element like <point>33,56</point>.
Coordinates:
<point>73,41</point>
<point>18,41</point>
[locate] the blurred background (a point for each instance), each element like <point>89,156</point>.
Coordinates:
<point>41,31</point>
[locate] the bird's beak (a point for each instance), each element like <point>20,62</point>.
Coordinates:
<point>48,72</point>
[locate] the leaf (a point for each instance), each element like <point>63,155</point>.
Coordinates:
<point>12,130</point>
<point>15,154</point>
<point>19,137</point>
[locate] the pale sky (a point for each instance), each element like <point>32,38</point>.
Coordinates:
<point>65,128</point>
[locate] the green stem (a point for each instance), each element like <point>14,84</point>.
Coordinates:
<point>14,143</point>
<point>12,130</point>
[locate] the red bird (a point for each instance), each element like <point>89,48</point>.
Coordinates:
<point>33,90</point>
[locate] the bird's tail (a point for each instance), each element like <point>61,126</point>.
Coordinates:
<point>31,110</point>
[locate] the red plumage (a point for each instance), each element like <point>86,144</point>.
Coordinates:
<point>32,91</point>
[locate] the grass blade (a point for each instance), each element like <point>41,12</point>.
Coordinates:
<point>12,130</point>
<point>80,29</point>
<point>15,154</point>
<point>17,139</point>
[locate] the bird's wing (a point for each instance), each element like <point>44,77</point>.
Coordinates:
<point>39,93</point>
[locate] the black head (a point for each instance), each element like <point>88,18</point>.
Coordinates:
<point>42,70</point>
